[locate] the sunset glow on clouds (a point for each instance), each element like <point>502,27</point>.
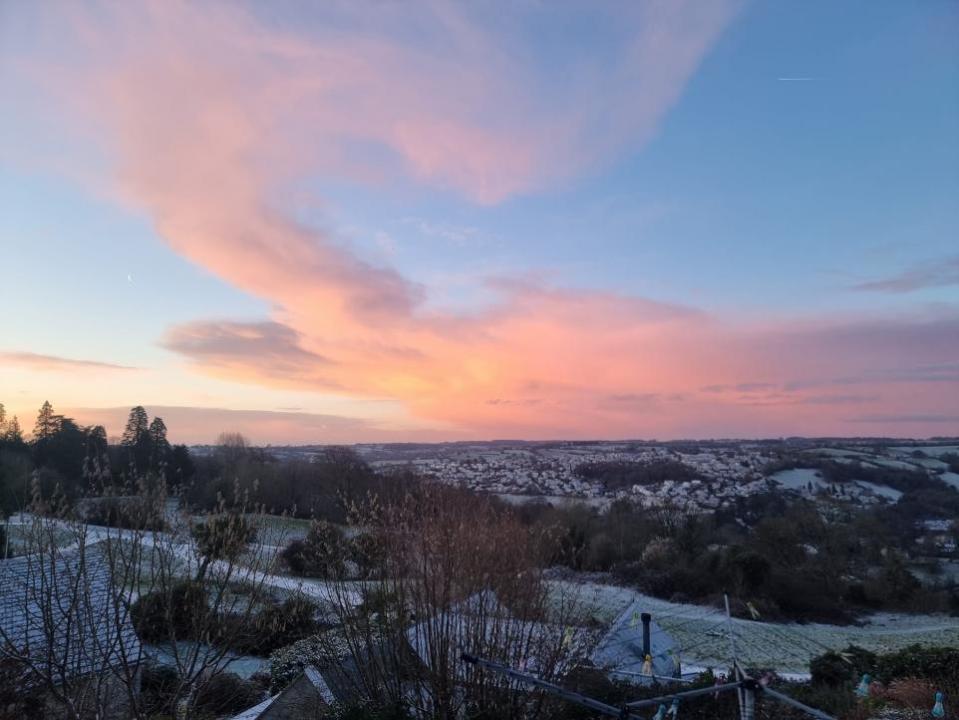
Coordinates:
<point>218,126</point>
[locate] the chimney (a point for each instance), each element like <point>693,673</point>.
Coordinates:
<point>646,617</point>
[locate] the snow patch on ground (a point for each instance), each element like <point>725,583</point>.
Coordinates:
<point>881,490</point>
<point>950,478</point>
<point>799,479</point>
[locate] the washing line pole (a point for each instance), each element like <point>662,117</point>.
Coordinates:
<point>551,688</point>
<point>746,697</point>
<point>627,712</point>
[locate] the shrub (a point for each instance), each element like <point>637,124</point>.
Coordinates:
<point>320,554</point>
<point>158,687</point>
<point>277,626</point>
<point>226,694</point>
<point>371,712</point>
<point>835,669</point>
<point>161,616</point>
<point>320,650</point>
<point>367,552</point>
<point>838,701</point>
<point>288,662</point>
<point>222,537</point>
<point>131,513</point>
<point>940,664</point>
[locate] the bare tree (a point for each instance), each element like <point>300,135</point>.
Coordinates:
<point>455,574</point>
<point>75,605</point>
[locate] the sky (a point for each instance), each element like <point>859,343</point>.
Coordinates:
<point>373,221</point>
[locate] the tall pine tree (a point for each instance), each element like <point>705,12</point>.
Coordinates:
<point>46,424</point>
<point>13,433</point>
<point>159,446</point>
<point>136,427</point>
<point>136,439</point>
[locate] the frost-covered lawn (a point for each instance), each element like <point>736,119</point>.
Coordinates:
<point>930,450</point>
<point>950,478</point>
<point>881,490</point>
<point>799,478</point>
<point>281,528</point>
<point>701,632</point>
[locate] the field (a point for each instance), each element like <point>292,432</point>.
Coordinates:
<point>702,632</point>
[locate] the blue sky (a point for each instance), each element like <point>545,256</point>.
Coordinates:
<point>811,148</point>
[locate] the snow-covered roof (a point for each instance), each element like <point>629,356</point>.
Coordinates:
<point>256,711</point>
<point>620,650</point>
<point>292,699</point>
<point>64,613</point>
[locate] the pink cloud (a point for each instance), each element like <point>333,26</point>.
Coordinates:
<point>210,116</point>
<point>37,361</point>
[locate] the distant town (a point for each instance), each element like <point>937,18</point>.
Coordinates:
<point>722,470</point>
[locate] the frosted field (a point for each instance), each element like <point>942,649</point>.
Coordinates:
<point>882,490</point>
<point>934,451</point>
<point>788,648</point>
<point>951,478</point>
<point>799,479</point>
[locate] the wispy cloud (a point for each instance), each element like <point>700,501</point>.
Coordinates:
<point>939,273</point>
<point>202,425</point>
<point>458,235</point>
<point>56,363</point>
<point>744,387</point>
<point>917,418</point>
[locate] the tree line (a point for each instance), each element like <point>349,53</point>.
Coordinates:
<point>63,457</point>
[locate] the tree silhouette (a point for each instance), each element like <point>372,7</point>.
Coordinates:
<point>13,434</point>
<point>159,446</point>
<point>136,426</point>
<point>136,439</point>
<point>46,423</point>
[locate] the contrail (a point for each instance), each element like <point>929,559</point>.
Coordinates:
<point>793,79</point>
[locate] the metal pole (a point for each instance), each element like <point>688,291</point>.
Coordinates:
<point>748,699</point>
<point>574,697</point>
<point>667,678</point>
<point>732,650</point>
<point>685,694</point>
